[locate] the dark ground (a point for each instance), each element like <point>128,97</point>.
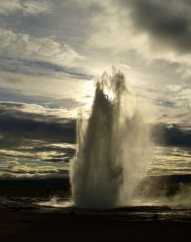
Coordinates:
<point>69,225</point>
<point>31,223</point>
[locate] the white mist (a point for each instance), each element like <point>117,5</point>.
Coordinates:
<point>113,148</point>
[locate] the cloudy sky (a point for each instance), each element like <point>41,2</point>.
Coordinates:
<point>54,49</point>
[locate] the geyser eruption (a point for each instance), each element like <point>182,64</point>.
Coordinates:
<point>113,147</point>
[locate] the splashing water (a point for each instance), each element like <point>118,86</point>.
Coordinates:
<point>113,148</point>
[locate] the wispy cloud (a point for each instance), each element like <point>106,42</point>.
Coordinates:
<point>38,68</point>
<point>14,44</point>
<point>149,40</point>
<point>23,54</point>
<point>25,7</point>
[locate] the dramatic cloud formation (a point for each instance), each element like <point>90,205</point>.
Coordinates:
<point>26,46</point>
<point>25,58</point>
<point>168,22</point>
<point>43,41</point>
<point>142,25</point>
<point>152,39</point>
<point>19,120</point>
<point>25,7</point>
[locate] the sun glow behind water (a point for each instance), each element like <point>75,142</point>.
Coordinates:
<point>113,147</point>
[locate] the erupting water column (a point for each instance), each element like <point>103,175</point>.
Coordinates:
<point>112,148</point>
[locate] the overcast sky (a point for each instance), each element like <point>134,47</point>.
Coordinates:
<point>56,47</point>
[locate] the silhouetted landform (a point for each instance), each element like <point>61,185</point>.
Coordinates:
<point>59,186</point>
<point>173,135</point>
<point>35,187</point>
<point>164,186</point>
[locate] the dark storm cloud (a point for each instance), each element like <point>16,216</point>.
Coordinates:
<point>173,135</point>
<point>17,124</point>
<point>168,22</point>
